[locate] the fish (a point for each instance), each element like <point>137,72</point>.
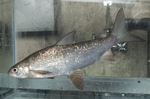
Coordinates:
<point>69,58</point>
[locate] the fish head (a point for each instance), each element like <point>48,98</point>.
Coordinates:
<point>19,71</point>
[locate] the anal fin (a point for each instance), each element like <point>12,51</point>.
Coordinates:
<point>77,79</point>
<point>107,56</point>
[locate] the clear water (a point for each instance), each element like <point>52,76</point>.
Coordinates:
<point>29,25</point>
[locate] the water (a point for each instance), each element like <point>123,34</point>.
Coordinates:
<point>30,25</point>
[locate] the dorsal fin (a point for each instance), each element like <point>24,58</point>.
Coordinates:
<point>67,39</point>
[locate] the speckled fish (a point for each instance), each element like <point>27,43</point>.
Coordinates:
<point>68,59</point>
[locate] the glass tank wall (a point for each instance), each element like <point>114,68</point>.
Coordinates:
<point>6,42</point>
<point>27,26</point>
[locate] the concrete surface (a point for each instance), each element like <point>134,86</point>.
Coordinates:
<point>34,15</point>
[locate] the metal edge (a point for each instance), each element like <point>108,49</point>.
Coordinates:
<point>94,84</point>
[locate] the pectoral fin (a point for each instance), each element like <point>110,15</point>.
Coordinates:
<point>41,72</point>
<point>107,56</point>
<point>77,79</point>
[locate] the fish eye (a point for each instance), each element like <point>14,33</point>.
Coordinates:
<point>15,70</point>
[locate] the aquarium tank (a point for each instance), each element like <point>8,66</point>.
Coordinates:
<point>74,49</point>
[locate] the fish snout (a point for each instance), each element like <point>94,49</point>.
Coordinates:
<point>11,72</point>
<point>18,72</point>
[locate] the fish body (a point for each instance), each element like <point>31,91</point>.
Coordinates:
<point>63,59</point>
<point>68,59</point>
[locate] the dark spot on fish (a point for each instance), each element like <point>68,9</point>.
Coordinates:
<point>61,87</point>
<point>139,82</point>
<point>15,70</point>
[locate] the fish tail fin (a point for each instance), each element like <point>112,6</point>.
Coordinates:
<point>120,31</point>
